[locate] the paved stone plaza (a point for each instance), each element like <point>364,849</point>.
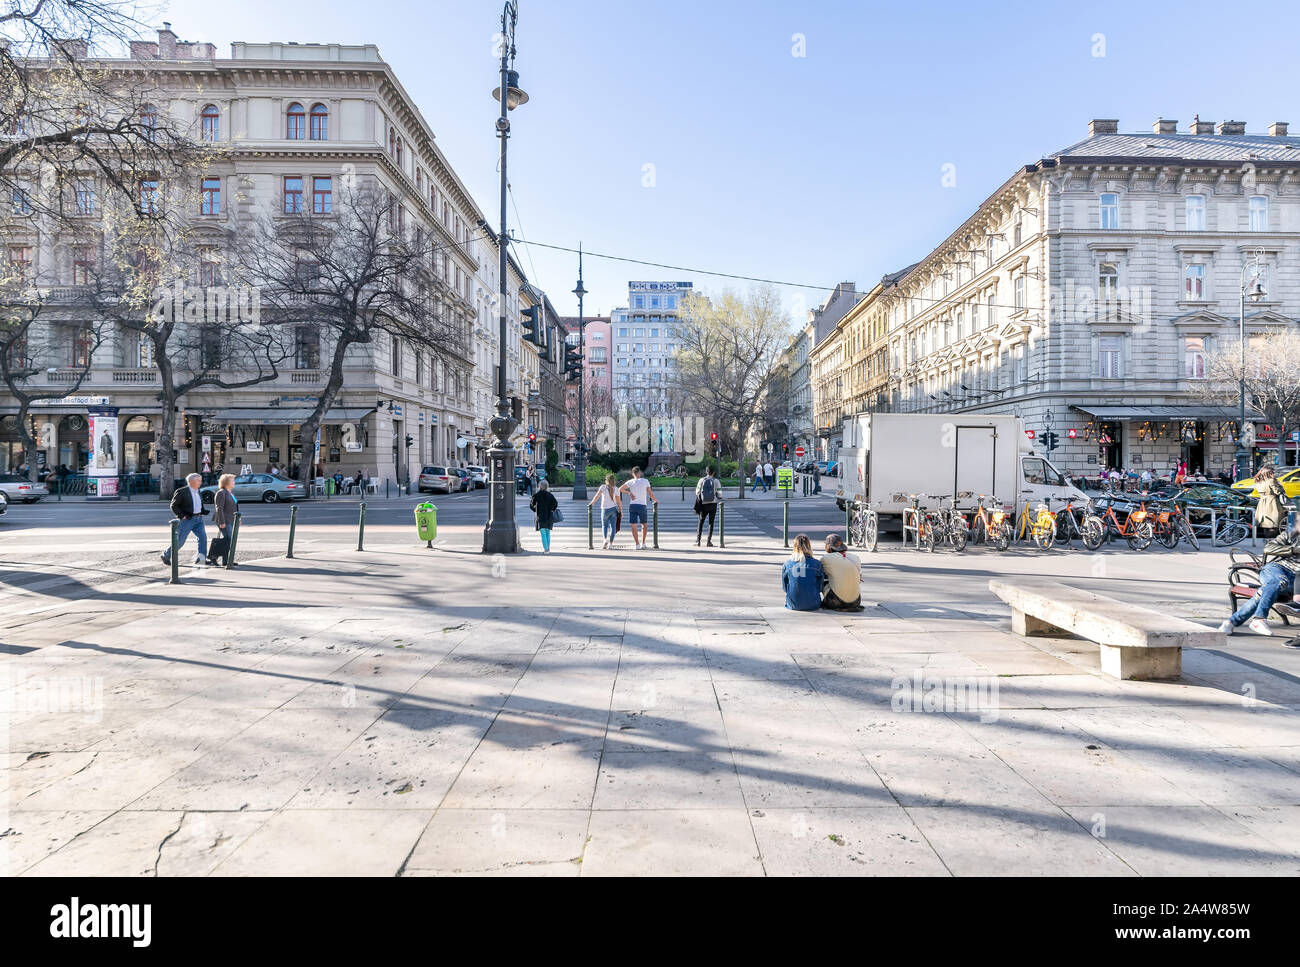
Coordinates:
<point>416,712</point>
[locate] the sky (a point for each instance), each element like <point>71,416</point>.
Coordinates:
<point>803,141</point>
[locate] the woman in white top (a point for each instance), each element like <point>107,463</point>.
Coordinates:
<point>610,507</point>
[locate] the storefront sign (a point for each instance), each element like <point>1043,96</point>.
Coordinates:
<point>255,446</point>
<point>74,401</point>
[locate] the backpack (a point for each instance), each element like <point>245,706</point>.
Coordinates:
<point>708,490</point>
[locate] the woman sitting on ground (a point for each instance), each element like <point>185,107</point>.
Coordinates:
<point>843,572</point>
<point>801,577</point>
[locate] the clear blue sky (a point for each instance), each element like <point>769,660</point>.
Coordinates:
<point>812,169</point>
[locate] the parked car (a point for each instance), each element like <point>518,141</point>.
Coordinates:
<point>466,479</point>
<point>478,475</point>
<point>435,479</point>
<point>4,503</point>
<point>259,486</point>
<point>17,487</point>
<point>829,468</point>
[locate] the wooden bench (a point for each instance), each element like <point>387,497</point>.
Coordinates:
<point>1136,642</point>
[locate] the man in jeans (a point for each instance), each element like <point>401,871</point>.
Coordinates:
<point>638,489</point>
<point>187,506</point>
<point>706,503</point>
<point>1276,577</point>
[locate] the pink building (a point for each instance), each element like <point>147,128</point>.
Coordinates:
<point>597,368</point>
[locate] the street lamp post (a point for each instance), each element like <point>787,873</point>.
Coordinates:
<point>501,533</point>
<point>580,458</point>
<point>1241,459</point>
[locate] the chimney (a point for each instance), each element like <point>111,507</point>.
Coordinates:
<point>1277,129</point>
<point>1202,127</point>
<point>166,42</point>
<point>1164,127</point>
<point>144,50</point>
<point>73,48</point>
<point>1232,127</point>
<point>1103,126</point>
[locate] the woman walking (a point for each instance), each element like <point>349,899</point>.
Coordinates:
<point>1270,514</point>
<point>801,577</point>
<point>223,516</point>
<point>610,509</point>
<point>544,506</point>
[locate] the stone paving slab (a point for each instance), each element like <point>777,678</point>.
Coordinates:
<point>373,715</point>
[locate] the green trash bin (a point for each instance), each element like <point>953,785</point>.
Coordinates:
<point>426,522</point>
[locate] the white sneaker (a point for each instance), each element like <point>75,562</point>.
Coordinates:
<point>1227,627</point>
<point>1259,626</point>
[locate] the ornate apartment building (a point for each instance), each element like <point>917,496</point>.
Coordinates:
<point>1087,293</point>
<point>293,124</point>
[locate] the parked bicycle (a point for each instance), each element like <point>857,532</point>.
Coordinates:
<point>990,526</point>
<point>1135,526</point>
<point>864,526</point>
<point>1171,525</point>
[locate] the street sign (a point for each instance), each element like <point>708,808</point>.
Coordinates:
<point>1030,434</point>
<point>1072,434</point>
<point>799,451</point>
<point>785,478</point>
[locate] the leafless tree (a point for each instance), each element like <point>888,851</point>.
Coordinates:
<point>1272,378</point>
<point>728,359</point>
<point>351,277</point>
<point>597,404</point>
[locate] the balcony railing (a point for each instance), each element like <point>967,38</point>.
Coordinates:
<point>305,376</point>
<point>135,376</point>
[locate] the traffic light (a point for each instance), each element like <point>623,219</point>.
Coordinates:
<point>410,441</point>
<point>532,438</point>
<point>1050,440</point>
<point>713,438</point>
<point>572,363</point>
<point>532,323</point>
<point>785,449</point>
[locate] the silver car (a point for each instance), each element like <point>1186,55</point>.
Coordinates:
<point>260,486</point>
<point>17,487</point>
<point>478,475</point>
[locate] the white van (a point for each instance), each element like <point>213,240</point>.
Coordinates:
<point>887,457</point>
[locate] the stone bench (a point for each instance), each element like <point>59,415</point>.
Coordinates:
<point>1136,642</point>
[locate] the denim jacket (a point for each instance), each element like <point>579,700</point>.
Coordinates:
<point>802,581</point>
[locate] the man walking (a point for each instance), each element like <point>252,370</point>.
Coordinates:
<point>638,489</point>
<point>769,476</point>
<point>817,479</point>
<point>187,507</point>
<point>706,504</point>
<point>759,478</point>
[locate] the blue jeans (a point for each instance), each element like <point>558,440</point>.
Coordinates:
<point>546,537</point>
<point>194,525</point>
<point>758,479</point>
<point>608,522</point>
<point>1273,580</point>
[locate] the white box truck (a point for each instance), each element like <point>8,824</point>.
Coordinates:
<point>885,455</point>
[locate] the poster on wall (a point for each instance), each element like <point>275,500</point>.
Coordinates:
<point>105,452</point>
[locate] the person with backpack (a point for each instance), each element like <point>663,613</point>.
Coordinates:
<point>611,507</point>
<point>707,493</point>
<point>802,577</point>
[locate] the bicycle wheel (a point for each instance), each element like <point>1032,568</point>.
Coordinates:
<point>1142,536</point>
<point>1094,533</point>
<point>1231,532</point>
<point>929,538</point>
<point>871,530</point>
<point>1168,536</point>
<point>979,533</point>
<point>959,536</point>
<point>857,533</point>
<point>1045,537</point>
<point>1001,538</point>
<point>1185,526</point>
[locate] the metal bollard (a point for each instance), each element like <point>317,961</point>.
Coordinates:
<point>722,523</point>
<point>361,528</point>
<point>591,539</point>
<point>293,524</point>
<point>683,490</point>
<point>175,555</point>
<point>58,487</point>
<point>234,540</point>
<point>785,525</point>
<point>386,494</point>
<point>848,516</point>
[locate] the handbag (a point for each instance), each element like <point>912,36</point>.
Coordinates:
<point>558,516</point>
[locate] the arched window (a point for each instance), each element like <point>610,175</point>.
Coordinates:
<point>295,122</point>
<point>392,143</point>
<point>210,123</point>
<point>399,152</point>
<point>320,122</point>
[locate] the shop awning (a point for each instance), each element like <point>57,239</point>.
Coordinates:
<point>283,415</point>
<point>1209,412</point>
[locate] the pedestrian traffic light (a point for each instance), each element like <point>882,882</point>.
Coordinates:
<point>532,324</point>
<point>532,438</point>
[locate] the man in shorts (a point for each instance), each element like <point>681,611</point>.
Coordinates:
<point>638,490</point>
